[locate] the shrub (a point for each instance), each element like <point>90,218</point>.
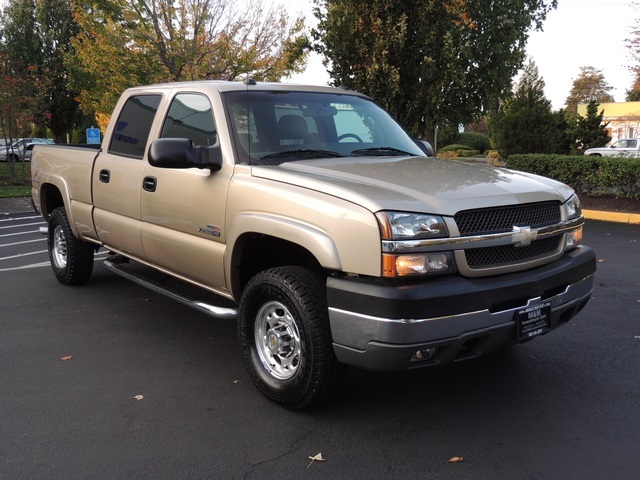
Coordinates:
<point>477,141</point>
<point>593,176</point>
<point>454,147</point>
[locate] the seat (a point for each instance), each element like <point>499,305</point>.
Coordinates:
<point>292,130</point>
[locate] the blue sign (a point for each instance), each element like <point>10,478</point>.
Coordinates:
<point>93,135</point>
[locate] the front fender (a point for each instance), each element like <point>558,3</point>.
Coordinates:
<point>308,236</point>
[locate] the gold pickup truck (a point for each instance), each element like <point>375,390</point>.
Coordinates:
<point>311,217</point>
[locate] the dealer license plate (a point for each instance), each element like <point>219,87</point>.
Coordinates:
<point>533,321</point>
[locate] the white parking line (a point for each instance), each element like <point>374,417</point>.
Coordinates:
<point>19,233</point>
<point>23,255</point>
<point>13,219</point>
<point>43,239</point>
<point>22,225</point>
<point>46,264</point>
<point>24,267</point>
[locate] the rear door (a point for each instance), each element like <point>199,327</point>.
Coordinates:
<point>118,173</point>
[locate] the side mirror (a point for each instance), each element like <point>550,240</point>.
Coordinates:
<point>181,153</point>
<point>425,146</point>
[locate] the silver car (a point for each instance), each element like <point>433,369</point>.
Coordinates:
<point>20,150</point>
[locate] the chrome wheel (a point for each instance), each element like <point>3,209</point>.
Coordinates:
<point>71,258</point>
<point>277,340</point>
<point>59,248</point>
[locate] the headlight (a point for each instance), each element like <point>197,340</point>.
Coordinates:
<point>411,226</point>
<point>417,264</point>
<point>403,227</point>
<point>573,210</point>
<point>572,207</point>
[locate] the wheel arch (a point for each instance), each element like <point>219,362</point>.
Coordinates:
<point>262,241</point>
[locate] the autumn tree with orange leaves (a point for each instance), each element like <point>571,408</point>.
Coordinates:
<point>123,43</point>
<point>427,61</point>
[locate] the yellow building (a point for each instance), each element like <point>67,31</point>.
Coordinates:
<point>623,118</point>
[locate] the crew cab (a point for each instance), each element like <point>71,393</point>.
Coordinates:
<point>310,217</point>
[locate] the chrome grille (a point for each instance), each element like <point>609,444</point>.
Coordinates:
<point>510,254</point>
<point>503,219</point>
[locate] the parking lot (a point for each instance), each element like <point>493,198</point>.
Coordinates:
<point>109,380</point>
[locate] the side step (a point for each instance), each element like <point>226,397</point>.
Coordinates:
<point>117,266</point>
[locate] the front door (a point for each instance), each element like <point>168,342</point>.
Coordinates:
<point>183,209</point>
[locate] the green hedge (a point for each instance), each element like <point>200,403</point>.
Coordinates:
<point>593,176</point>
<point>477,141</point>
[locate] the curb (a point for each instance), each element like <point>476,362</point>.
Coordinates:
<point>616,217</point>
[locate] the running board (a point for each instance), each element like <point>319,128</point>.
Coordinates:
<point>115,265</point>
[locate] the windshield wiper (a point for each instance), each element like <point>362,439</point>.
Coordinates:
<point>302,153</point>
<point>381,151</point>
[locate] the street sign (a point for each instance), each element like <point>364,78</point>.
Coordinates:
<point>93,135</point>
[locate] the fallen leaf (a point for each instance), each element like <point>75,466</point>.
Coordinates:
<point>139,397</point>
<point>455,460</point>
<point>316,458</point>
<point>69,357</point>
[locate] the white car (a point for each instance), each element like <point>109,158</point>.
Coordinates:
<point>625,147</point>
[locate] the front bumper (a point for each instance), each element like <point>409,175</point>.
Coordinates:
<point>381,326</point>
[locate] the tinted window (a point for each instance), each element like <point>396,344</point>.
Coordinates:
<point>133,126</point>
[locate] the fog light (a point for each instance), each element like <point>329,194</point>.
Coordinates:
<point>424,354</point>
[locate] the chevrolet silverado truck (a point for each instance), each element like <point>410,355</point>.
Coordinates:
<point>625,147</point>
<point>308,216</point>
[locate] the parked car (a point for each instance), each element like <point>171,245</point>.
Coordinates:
<point>21,149</point>
<point>625,147</point>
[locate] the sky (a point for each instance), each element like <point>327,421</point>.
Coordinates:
<point>579,33</point>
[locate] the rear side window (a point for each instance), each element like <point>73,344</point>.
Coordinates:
<point>133,126</point>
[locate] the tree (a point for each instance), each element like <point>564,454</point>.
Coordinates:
<point>36,37</point>
<point>525,122</point>
<point>589,85</point>
<point>131,42</point>
<point>590,131</point>
<point>428,62</point>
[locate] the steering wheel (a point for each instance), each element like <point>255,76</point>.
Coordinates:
<point>349,135</point>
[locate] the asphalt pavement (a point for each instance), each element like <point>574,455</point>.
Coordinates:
<point>110,381</point>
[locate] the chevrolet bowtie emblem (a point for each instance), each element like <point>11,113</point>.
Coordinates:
<point>523,236</point>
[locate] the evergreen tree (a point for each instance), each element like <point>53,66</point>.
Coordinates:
<point>590,131</point>
<point>525,122</point>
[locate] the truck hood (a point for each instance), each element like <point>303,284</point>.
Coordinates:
<point>416,184</point>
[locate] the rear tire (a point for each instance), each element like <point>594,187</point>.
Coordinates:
<point>71,258</point>
<point>284,330</point>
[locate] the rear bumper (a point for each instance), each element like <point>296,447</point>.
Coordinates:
<point>381,326</point>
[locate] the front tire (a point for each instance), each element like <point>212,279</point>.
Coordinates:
<point>286,339</point>
<point>71,258</point>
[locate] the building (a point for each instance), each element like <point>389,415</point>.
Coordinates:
<point>623,118</point>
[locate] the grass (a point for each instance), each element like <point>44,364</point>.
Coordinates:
<point>14,191</point>
<point>11,189</point>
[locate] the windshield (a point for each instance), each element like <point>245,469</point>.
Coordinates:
<point>271,127</point>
